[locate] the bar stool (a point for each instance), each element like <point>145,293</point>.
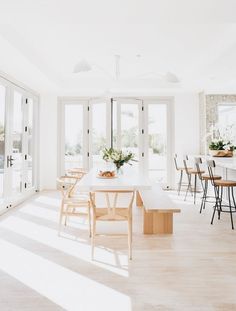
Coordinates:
<point>204,182</point>
<point>190,173</point>
<point>181,170</point>
<point>219,186</point>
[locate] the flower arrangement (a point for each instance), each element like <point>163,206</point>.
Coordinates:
<point>118,157</point>
<point>220,144</point>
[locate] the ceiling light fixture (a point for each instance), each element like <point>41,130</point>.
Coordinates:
<point>82,66</point>
<point>171,78</point>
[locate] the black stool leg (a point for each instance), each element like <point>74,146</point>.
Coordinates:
<point>232,191</point>
<point>216,205</point>
<point>220,192</point>
<point>180,181</point>
<point>204,196</point>
<point>189,186</point>
<point>230,207</point>
<point>195,188</point>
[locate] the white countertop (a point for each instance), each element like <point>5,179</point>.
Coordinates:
<point>130,179</point>
<point>229,163</point>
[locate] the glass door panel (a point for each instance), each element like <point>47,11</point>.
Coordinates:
<point>17,133</point>
<point>74,132</point>
<point>130,129</point>
<point>16,144</point>
<point>127,128</point>
<point>2,142</point>
<point>99,137</point>
<point>30,144</point>
<point>157,142</point>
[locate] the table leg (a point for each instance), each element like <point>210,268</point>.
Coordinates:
<point>155,222</point>
<point>139,201</point>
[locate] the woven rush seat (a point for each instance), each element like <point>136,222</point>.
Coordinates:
<point>208,177</point>
<point>225,183</point>
<point>191,171</point>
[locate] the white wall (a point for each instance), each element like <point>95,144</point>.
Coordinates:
<point>17,67</point>
<point>187,124</point>
<point>48,141</point>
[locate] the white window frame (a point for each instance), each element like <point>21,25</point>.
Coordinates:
<point>143,135</point>
<point>11,86</point>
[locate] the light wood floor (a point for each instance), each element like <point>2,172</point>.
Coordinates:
<point>195,269</point>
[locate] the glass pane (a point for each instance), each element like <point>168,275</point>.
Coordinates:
<point>99,133</point>
<point>226,121</point>
<point>157,142</point>
<point>17,144</point>
<point>114,125</point>
<point>2,138</point>
<point>73,136</point>
<point>130,129</point>
<point>30,144</point>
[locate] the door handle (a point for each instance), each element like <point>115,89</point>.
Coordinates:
<point>9,161</point>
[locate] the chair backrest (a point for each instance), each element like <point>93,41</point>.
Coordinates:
<point>67,185</point>
<point>78,172</point>
<point>211,166</point>
<point>175,161</point>
<point>112,201</point>
<point>198,162</point>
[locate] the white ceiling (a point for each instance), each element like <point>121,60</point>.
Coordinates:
<point>196,40</point>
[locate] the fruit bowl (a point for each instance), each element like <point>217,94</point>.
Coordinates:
<point>107,174</point>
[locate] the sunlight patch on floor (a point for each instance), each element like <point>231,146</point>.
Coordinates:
<point>80,248</point>
<point>62,286</point>
<point>48,200</point>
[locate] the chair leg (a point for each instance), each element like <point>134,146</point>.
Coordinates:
<point>60,217</point>
<point>130,237</point>
<point>89,220</point>
<point>93,236</point>
<point>230,208</point>
<point>65,222</point>
<point>180,182</point>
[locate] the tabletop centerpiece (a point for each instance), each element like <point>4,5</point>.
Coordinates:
<point>221,142</point>
<point>221,148</point>
<point>118,158</point>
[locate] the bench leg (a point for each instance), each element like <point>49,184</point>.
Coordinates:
<point>155,222</point>
<point>139,201</point>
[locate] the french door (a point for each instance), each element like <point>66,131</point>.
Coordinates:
<point>142,126</point>
<point>99,130</point>
<point>85,132</point>
<point>17,144</point>
<point>127,121</point>
<point>2,144</point>
<point>158,128</point>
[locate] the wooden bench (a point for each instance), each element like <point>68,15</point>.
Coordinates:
<point>158,210</point>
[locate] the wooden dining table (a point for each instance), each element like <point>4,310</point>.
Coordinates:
<point>157,207</point>
<point>129,179</point>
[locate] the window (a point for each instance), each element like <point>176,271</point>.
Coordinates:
<point>140,126</point>
<point>18,161</point>
<point>227,120</point>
